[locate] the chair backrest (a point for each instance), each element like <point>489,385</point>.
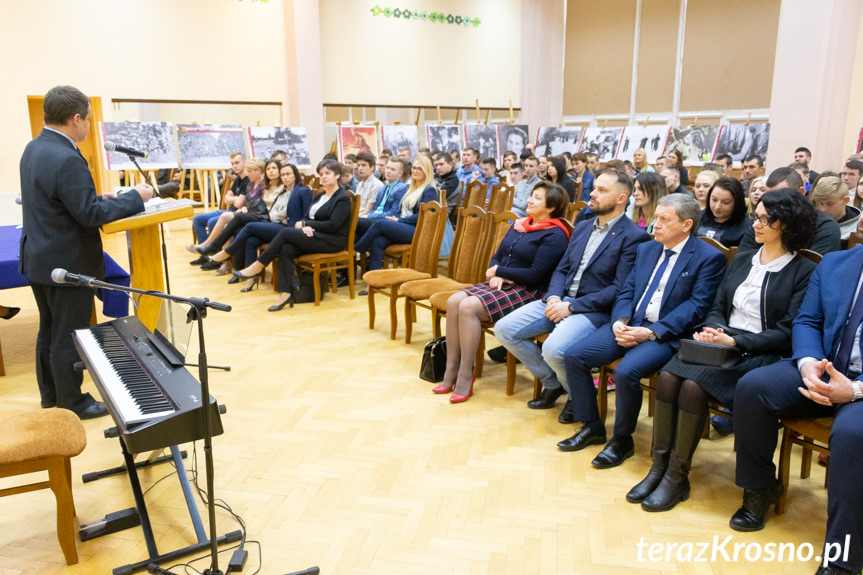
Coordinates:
<point>812,255</point>
<point>475,194</point>
<point>573,208</point>
<point>355,212</point>
<point>425,247</point>
<point>227,182</point>
<point>729,253</point>
<point>497,229</point>
<point>312,181</point>
<point>468,245</point>
<point>501,198</point>
<point>578,187</point>
<point>852,240</point>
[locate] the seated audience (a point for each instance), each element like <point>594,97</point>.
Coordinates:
<point>724,219</point>
<point>660,163</point>
<point>323,230</point>
<point>703,182</point>
<point>406,154</point>
<point>509,158</point>
<point>368,185</point>
<point>515,173</point>
<point>648,188</point>
<point>234,199</point>
<point>557,175</point>
<point>672,181</point>
<point>857,202</point>
<point>851,174</point>
<point>803,155</point>
<point>524,188</point>
<point>675,160</point>
<point>487,174</point>
<point>757,188</point>
<point>593,163</point>
<point>639,161</point>
<point>381,166</point>
<point>753,311</point>
<point>389,196</point>
<point>753,167</point>
<point>400,229</point>
<point>827,230</point>
<point>581,291</point>
<point>830,195</point>
<point>821,379</point>
<point>803,170</point>
<point>447,181</point>
<point>579,164</point>
<point>288,208</point>
<point>518,274</point>
<point>668,292</point>
<point>726,162</point>
<point>543,167</point>
<point>347,180</point>
<point>469,169</point>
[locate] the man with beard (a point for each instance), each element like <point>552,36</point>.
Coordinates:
<point>581,292</point>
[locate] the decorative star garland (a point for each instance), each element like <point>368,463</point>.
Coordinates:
<point>426,16</point>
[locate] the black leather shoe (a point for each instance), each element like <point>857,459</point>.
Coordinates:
<point>10,312</point>
<point>546,398</point>
<point>364,292</point>
<point>565,416</point>
<point>96,410</point>
<point>585,436</point>
<point>753,515</point>
<point>48,404</point>
<point>615,452</point>
<point>233,280</point>
<point>199,261</point>
<point>210,265</point>
<point>497,354</point>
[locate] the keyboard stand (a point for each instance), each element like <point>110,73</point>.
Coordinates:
<point>132,517</point>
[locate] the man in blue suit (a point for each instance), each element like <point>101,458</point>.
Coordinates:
<point>581,292</point>
<point>667,294</point>
<point>821,379</point>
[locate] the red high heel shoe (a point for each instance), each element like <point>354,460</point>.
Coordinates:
<point>443,388</point>
<point>456,398</point>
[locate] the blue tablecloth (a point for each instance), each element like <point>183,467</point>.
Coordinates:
<point>114,303</point>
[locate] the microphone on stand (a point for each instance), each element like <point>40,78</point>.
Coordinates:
<point>112,147</point>
<point>61,276</point>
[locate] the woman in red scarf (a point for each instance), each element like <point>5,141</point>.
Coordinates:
<point>519,273</point>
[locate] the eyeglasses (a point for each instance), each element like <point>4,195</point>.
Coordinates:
<point>417,168</point>
<point>765,221</point>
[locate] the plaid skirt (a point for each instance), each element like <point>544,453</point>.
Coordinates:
<point>498,303</point>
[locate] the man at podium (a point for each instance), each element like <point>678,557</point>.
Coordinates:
<point>62,215</point>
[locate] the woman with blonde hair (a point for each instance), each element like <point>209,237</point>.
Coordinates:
<point>757,188</point>
<point>703,182</point>
<point>648,188</point>
<point>400,229</point>
<point>639,161</point>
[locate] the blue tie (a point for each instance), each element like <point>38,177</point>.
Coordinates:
<point>843,356</point>
<point>648,294</point>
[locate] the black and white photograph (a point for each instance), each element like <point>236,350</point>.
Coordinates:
<point>651,139</point>
<point>483,138</point>
<point>265,140</point>
<point>154,138</point>
<point>601,141</point>
<point>444,138</point>
<point>512,138</point>
<point>696,143</point>
<point>553,141</point>
<point>209,147</point>
<point>396,137</point>
<point>743,140</point>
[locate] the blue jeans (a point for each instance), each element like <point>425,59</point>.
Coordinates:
<point>203,222</point>
<point>516,330</point>
<point>380,235</point>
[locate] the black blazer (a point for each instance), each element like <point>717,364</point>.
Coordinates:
<point>781,295</point>
<point>332,222</point>
<point>62,212</point>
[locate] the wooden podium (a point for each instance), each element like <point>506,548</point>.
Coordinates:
<point>145,253</point>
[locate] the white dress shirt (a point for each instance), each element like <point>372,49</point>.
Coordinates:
<point>746,303</point>
<point>651,314</point>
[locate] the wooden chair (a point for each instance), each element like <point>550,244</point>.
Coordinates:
<point>331,262</point>
<point>45,440</point>
<point>424,252</point>
<point>196,186</point>
<point>465,259</point>
<point>811,255</point>
<point>813,434</point>
<point>475,194</point>
<point>729,253</point>
<point>312,181</point>
<point>607,371</point>
<point>852,241</point>
<point>572,210</point>
<point>227,182</point>
<point>501,198</point>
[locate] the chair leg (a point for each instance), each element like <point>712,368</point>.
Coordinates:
<point>60,485</point>
<point>394,318</point>
<point>409,324</point>
<point>371,297</point>
<point>480,355</point>
<point>510,373</point>
<point>784,468</point>
<point>316,279</point>
<point>602,393</point>
<point>436,317</point>
<point>352,270</point>
<point>806,461</point>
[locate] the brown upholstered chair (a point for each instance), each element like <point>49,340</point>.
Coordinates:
<point>813,434</point>
<point>425,250</point>
<point>330,262</point>
<point>465,259</point>
<point>572,210</point>
<point>728,252</point>
<point>501,198</point>
<point>45,440</point>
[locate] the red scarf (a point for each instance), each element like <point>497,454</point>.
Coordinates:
<point>526,225</point>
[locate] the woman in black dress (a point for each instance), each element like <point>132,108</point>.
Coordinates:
<point>557,175</point>
<point>753,312</point>
<point>520,271</point>
<point>724,219</point>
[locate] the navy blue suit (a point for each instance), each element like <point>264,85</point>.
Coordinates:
<point>688,296</point>
<point>764,394</point>
<point>586,186</point>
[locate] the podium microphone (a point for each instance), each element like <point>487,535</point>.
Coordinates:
<point>112,147</point>
<point>61,276</point>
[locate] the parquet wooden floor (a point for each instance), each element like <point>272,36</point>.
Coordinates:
<point>337,455</point>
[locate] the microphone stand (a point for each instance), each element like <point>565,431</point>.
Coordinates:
<point>197,312</point>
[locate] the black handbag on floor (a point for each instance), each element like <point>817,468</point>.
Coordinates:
<point>303,286</point>
<point>434,360</point>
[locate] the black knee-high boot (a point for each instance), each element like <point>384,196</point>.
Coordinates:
<point>674,486</point>
<point>664,424</point>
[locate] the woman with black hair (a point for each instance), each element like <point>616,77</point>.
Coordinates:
<point>724,219</point>
<point>753,313</point>
<point>557,175</point>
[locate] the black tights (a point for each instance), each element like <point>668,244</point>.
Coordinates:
<point>688,395</point>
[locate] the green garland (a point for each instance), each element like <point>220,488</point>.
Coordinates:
<point>426,16</point>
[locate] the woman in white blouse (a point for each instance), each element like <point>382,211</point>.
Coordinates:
<point>753,312</point>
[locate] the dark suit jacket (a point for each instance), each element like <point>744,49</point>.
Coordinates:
<point>826,240</point>
<point>689,292</point>
<point>298,205</point>
<point>332,221</point>
<point>821,320</point>
<point>62,212</point>
<point>606,271</point>
<point>781,295</point>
